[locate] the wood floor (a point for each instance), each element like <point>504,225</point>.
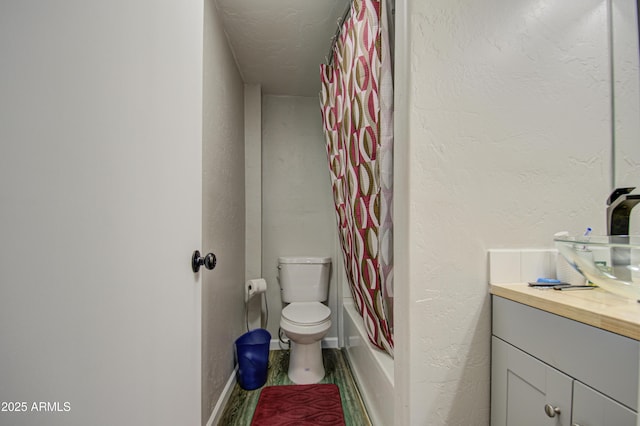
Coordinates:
<point>242,403</point>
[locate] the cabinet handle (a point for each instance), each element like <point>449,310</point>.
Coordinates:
<point>551,410</point>
<point>575,424</point>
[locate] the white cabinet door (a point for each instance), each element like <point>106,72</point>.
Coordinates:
<point>522,387</point>
<point>591,408</point>
<point>100,210</point>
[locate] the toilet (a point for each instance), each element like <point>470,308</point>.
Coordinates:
<point>305,320</point>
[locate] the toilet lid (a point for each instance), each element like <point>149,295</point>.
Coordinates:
<point>306,313</point>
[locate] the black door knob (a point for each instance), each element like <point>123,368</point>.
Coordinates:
<point>209,261</point>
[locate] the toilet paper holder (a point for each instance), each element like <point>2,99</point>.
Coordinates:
<point>253,287</point>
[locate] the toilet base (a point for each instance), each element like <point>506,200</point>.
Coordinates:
<point>305,363</point>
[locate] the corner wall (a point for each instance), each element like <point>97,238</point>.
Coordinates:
<point>507,142</point>
<point>223,200</point>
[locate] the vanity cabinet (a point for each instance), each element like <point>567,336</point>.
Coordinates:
<point>550,370</point>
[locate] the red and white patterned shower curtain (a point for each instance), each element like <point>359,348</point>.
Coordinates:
<point>357,114</point>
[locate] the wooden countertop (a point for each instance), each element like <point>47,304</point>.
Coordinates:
<point>593,307</point>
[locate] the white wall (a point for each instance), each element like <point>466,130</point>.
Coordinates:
<point>223,226</point>
<point>253,180</point>
<point>298,217</point>
<point>255,307</point>
<point>507,140</point>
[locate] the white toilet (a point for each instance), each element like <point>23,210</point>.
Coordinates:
<point>304,284</point>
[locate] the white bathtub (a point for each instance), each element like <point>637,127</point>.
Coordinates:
<point>372,368</point>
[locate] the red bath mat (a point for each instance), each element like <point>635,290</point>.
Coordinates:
<point>299,405</point>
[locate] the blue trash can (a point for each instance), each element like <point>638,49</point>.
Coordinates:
<point>252,353</point>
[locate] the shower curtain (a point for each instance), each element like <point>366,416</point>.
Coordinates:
<point>357,114</point>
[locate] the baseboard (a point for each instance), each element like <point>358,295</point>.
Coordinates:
<point>277,345</point>
<point>328,342</point>
<point>216,414</point>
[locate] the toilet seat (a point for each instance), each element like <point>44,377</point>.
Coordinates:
<point>306,314</point>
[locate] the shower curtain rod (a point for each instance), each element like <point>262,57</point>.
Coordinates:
<point>334,39</point>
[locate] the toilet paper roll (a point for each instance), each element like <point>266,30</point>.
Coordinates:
<point>253,287</point>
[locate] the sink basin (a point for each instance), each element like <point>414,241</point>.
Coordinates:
<point>610,262</point>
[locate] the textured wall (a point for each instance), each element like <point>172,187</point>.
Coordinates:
<point>223,211</point>
<point>507,142</point>
<point>297,212</point>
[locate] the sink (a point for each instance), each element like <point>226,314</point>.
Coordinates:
<point>610,262</point>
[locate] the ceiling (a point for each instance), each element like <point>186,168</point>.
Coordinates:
<point>280,44</point>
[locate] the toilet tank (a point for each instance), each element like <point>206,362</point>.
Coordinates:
<point>304,279</point>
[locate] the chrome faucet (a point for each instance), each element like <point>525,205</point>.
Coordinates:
<point>619,206</point>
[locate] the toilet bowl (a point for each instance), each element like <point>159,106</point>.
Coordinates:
<point>305,324</point>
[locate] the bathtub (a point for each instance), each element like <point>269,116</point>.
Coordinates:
<point>372,368</point>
